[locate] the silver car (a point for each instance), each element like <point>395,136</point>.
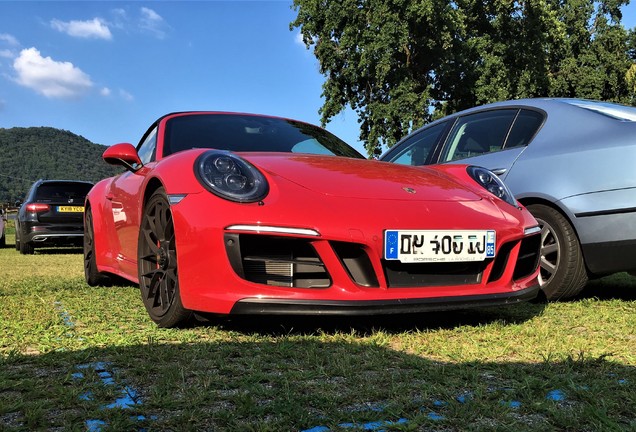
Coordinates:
<point>571,162</point>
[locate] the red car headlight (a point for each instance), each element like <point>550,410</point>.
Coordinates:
<point>492,183</point>
<point>228,176</point>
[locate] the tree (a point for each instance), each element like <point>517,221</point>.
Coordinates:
<point>29,154</point>
<point>402,63</point>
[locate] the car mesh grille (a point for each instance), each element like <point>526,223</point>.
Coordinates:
<point>400,275</point>
<point>276,261</point>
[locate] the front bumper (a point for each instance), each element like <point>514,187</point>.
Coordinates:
<point>342,270</point>
<point>252,306</point>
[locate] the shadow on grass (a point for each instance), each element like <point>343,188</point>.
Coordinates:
<point>305,384</point>
<point>267,325</point>
<point>620,286</point>
<point>59,250</point>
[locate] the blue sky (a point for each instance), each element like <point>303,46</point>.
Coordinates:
<point>107,70</point>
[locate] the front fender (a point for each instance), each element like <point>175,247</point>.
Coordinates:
<point>103,228</point>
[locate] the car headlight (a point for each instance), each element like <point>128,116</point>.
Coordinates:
<point>230,177</point>
<point>492,183</point>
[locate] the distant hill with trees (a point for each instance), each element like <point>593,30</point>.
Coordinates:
<point>29,154</point>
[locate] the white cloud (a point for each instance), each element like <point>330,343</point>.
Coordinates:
<point>299,39</point>
<point>119,18</point>
<point>48,77</point>
<point>126,96</point>
<point>8,39</point>
<point>7,45</point>
<point>92,29</point>
<point>123,94</point>
<point>153,23</point>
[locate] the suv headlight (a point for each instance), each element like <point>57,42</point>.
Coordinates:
<point>230,177</point>
<point>492,183</point>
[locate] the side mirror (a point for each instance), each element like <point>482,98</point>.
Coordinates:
<point>123,154</point>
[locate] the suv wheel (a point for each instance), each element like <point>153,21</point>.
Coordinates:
<point>26,248</point>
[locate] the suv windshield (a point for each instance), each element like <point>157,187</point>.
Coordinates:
<point>62,192</point>
<point>246,133</point>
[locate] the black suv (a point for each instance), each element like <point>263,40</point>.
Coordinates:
<point>3,238</point>
<point>52,215</point>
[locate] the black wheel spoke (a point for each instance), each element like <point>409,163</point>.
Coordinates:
<point>151,241</point>
<point>157,260</point>
<point>164,292</point>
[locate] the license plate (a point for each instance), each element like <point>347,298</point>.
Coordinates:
<point>70,209</point>
<point>439,246</point>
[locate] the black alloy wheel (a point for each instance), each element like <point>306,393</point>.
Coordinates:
<point>157,263</point>
<point>92,275</point>
<point>562,268</point>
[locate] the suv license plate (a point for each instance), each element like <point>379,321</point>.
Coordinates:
<point>70,209</point>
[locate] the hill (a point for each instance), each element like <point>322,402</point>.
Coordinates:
<point>29,154</point>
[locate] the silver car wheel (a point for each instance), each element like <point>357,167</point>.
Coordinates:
<point>562,273</point>
<point>550,253</point>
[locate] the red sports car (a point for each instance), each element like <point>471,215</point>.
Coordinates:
<point>243,214</point>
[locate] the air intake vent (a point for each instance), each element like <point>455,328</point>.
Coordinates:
<point>401,275</point>
<point>276,261</point>
<point>528,258</point>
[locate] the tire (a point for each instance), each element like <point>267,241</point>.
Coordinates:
<point>26,248</point>
<point>157,264</point>
<point>91,274</point>
<point>562,268</point>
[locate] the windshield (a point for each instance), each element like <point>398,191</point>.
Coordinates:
<point>248,133</point>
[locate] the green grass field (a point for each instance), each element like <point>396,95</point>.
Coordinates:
<point>74,357</point>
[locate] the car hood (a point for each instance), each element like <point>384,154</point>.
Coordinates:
<point>362,179</point>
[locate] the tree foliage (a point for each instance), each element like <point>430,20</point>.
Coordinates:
<point>402,63</point>
<point>29,154</point>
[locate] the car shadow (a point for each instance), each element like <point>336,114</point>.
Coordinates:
<point>59,250</point>
<point>305,384</point>
<point>270,325</point>
<point>621,286</point>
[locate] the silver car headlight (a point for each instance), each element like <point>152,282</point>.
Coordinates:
<point>231,177</point>
<point>492,183</point>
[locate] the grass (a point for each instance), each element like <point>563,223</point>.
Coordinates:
<point>74,357</point>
